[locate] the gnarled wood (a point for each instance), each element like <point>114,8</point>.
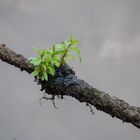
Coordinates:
<point>65,83</point>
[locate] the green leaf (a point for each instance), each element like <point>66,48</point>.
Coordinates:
<point>42,78</point>
<point>51,70</point>
<point>75,42</point>
<point>42,54</point>
<point>35,72</point>
<point>57,63</point>
<point>48,53</point>
<point>60,46</point>
<point>44,51</point>
<point>37,51</point>
<point>31,58</point>
<point>36,61</point>
<point>33,62</point>
<point>44,68</point>
<point>67,43</point>
<point>69,57</point>
<point>38,77</point>
<point>77,51</point>
<point>45,75</point>
<point>70,38</point>
<point>59,52</point>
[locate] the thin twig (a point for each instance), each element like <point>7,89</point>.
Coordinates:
<point>91,110</point>
<point>52,98</point>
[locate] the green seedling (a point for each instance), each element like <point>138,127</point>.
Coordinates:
<point>48,60</point>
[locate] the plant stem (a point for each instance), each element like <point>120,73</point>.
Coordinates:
<point>64,55</point>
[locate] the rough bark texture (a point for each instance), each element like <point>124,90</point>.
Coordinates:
<point>65,83</point>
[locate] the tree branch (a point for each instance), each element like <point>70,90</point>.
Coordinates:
<point>65,83</point>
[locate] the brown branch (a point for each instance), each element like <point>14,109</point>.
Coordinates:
<point>65,83</point>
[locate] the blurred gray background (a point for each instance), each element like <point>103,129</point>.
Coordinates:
<point>109,35</point>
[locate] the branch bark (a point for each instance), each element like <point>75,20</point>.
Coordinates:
<point>65,83</point>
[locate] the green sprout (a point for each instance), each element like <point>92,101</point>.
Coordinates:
<point>48,60</point>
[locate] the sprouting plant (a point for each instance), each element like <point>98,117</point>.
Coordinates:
<point>48,60</point>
